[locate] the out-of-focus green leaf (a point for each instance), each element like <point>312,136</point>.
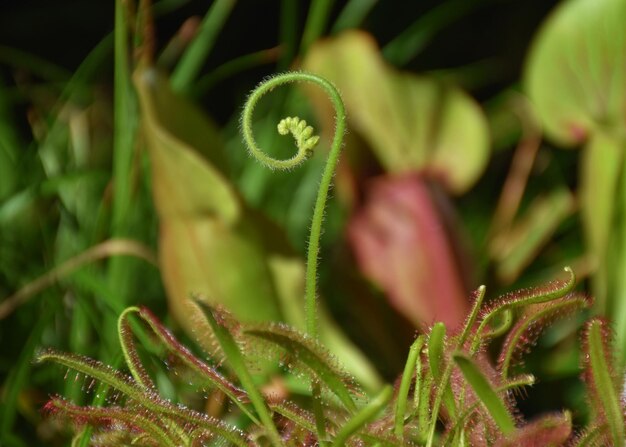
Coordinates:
<point>9,146</point>
<point>576,73</point>
<point>411,122</point>
<point>413,40</point>
<point>205,244</point>
<point>601,161</point>
<point>436,359</point>
<point>514,250</point>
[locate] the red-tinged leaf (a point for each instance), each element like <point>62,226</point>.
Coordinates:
<point>547,431</point>
<point>603,381</point>
<point>524,334</point>
<point>401,244</point>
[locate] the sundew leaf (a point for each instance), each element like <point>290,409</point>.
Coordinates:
<point>410,370</point>
<point>306,351</point>
<point>602,380</point>
<point>485,393</point>
<point>236,361</point>
<point>451,438</point>
<point>525,332</point>
<point>503,306</point>
<point>145,398</point>
<point>300,417</point>
<point>178,351</point>
<point>576,70</point>
<point>591,436</point>
<point>550,430</point>
<point>411,122</point>
<point>130,418</point>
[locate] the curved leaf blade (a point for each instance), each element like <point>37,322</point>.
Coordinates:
<point>486,393</point>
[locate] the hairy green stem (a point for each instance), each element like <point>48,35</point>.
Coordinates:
<point>305,146</point>
<point>305,141</point>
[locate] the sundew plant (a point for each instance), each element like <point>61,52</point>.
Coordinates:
<point>447,378</point>
<point>266,223</point>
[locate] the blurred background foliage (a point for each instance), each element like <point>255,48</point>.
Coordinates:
<point>123,178</point>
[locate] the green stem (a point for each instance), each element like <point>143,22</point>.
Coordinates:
<point>304,151</point>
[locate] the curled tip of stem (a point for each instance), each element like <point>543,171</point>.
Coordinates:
<point>305,141</point>
<point>303,134</point>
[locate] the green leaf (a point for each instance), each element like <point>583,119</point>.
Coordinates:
<point>576,72</point>
<point>436,363</point>
<point>206,244</point>
<point>176,350</point>
<point>237,363</point>
<point>526,330</point>
<point>602,381</point>
<point>485,393</point>
<point>364,416</point>
<point>456,430</point>
<point>590,437</point>
<point>600,164</point>
<point>125,418</point>
<point>305,350</point>
<point>410,122</point>
<point>405,383</point>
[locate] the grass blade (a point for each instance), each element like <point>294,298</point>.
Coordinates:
<point>436,362</point>
<point>191,62</point>
<point>486,393</point>
<point>315,22</point>
<point>405,383</point>
<point>237,363</point>
<point>365,415</point>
